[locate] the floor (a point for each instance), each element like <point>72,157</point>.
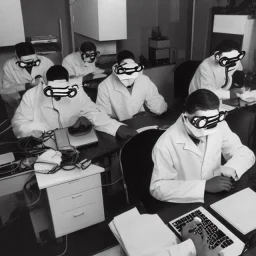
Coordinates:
<point>18,239</point>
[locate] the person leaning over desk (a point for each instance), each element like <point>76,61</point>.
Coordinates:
<point>43,109</point>
<point>21,72</point>
<point>216,72</point>
<point>123,94</point>
<point>82,62</point>
<point>187,157</point>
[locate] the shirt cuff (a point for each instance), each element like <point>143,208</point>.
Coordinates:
<point>190,245</point>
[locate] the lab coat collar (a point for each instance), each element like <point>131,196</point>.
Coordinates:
<point>181,137</point>
<point>118,86</point>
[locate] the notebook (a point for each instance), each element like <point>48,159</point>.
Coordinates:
<point>239,210</point>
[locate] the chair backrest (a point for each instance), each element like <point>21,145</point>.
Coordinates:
<point>137,166</point>
<point>183,75</point>
<point>242,122</point>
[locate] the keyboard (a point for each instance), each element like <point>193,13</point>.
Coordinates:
<point>221,241</point>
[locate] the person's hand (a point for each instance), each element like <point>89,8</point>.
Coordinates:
<point>81,121</point>
<point>235,91</point>
<point>218,184</point>
<point>36,133</point>
<point>200,242</point>
<point>98,71</point>
<point>124,132</point>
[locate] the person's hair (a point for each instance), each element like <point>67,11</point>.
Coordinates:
<point>227,46</point>
<point>124,55</point>
<point>87,47</point>
<point>24,49</point>
<point>57,72</point>
<point>201,99</point>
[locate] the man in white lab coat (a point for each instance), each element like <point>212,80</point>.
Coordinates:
<point>187,157</point>
<point>20,73</point>
<point>82,62</point>
<point>124,93</point>
<point>58,105</point>
<point>215,73</point>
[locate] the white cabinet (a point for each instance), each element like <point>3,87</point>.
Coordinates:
<point>75,198</point>
<point>11,23</point>
<point>102,20</point>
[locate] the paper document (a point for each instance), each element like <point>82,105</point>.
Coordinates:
<point>239,210</point>
<point>147,128</point>
<point>142,234</point>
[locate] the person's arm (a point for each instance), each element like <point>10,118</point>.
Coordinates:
<point>103,99</point>
<point>206,81</point>
<point>97,117</point>
<point>164,184</point>
<point>238,156</point>
<point>10,85</point>
<point>154,101</point>
<point>68,67</point>
<point>22,122</point>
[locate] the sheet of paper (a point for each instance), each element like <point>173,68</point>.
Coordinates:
<point>143,234</point>
<point>241,210</point>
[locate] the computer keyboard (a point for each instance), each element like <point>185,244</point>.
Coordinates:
<point>221,241</point>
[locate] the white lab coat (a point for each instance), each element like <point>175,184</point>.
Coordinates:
<point>181,169</point>
<point>210,75</point>
<point>15,78</point>
<point>76,66</point>
<point>117,101</point>
<point>36,112</point>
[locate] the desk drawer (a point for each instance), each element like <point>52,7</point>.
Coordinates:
<point>76,200</point>
<point>74,187</point>
<point>71,221</point>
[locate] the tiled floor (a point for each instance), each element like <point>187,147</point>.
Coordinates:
<point>18,239</point>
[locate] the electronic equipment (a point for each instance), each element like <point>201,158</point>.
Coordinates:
<point>83,139</point>
<point>159,56</point>
<point>6,158</point>
<point>62,140</point>
<point>221,241</point>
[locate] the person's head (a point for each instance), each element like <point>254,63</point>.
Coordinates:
<point>88,52</point>
<point>58,83</point>
<point>126,69</point>
<point>228,54</point>
<point>201,113</point>
<point>26,55</point>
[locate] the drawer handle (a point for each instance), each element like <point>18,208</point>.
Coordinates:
<point>76,196</point>
<point>78,214</point>
<point>73,181</point>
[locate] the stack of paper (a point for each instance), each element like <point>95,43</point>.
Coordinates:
<point>142,234</point>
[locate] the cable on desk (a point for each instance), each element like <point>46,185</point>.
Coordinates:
<point>5,129</point>
<point>66,247</point>
<point>4,122</point>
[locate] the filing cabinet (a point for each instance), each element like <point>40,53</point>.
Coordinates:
<point>75,199</point>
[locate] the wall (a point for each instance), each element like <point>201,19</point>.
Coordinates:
<point>203,25</point>
<point>142,15</point>
<point>179,33</point>
<point>41,17</point>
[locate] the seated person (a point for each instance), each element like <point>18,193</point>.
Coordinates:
<point>82,62</point>
<point>187,157</point>
<point>20,73</point>
<point>58,105</point>
<point>123,94</point>
<point>215,73</point>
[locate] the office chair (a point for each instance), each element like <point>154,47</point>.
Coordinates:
<point>137,166</point>
<point>241,121</point>
<point>183,75</point>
